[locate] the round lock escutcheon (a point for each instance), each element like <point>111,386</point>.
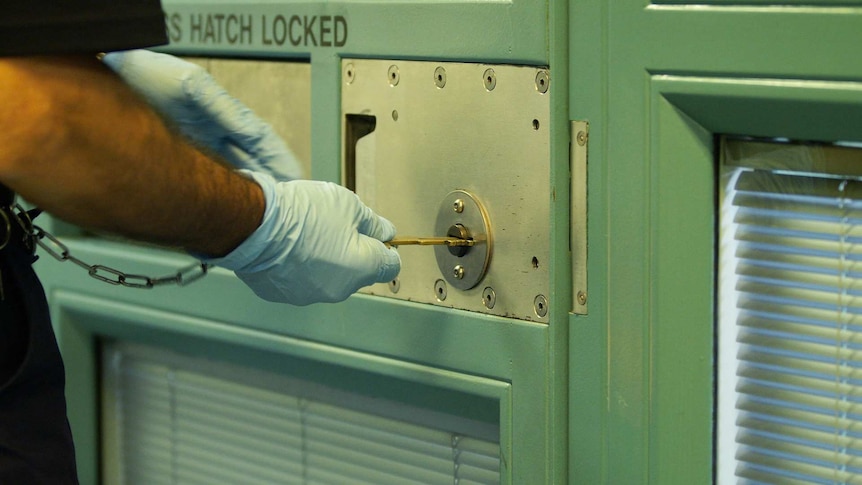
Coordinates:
<point>461,215</point>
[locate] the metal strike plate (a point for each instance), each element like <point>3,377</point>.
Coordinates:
<point>580,133</point>
<point>420,135</point>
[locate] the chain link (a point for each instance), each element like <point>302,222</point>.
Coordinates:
<point>59,251</point>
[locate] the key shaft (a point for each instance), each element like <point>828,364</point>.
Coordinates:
<point>430,241</point>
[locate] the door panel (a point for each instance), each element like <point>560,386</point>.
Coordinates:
<point>521,361</point>
<point>661,80</point>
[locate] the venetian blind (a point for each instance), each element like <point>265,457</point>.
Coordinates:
<point>790,329</point>
<point>181,422</point>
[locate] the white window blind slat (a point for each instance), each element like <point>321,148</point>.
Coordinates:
<point>207,422</point>
<point>790,328</point>
<point>487,461</point>
<point>780,398</point>
<point>225,453</point>
<point>474,471</point>
<point>779,298</point>
<point>762,317</point>
<point>807,323</point>
<point>799,429</point>
<point>794,266</point>
<point>819,445</point>
<point>253,396</point>
<point>350,449</point>
<point>788,367</point>
<point>769,469</point>
<point>181,420</point>
<point>759,344</point>
<point>816,236</point>
<point>208,469</point>
<point>325,468</point>
<point>477,460</point>
<point>763,249</point>
<point>367,422</point>
<point>795,415</point>
<point>348,457</point>
<point>322,476</point>
<point>382,430</point>
<point>207,433</point>
<point>789,380</point>
<point>842,300</point>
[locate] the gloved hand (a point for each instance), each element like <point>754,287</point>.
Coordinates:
<point>186,94</point>
<point>317,243</point>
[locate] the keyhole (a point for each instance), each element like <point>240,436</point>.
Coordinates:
<point>460,232</point>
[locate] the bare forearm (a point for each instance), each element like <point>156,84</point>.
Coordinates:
<point>82,146</point>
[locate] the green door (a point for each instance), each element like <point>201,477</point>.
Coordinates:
<point>505,373</point>
<point>659,81</point>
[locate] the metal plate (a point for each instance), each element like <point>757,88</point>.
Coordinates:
<point>417,131</point>
<point>277,91</point>
<point>463,267</point>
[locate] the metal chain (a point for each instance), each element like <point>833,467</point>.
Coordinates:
<point>60,252</point>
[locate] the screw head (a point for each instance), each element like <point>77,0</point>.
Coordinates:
<point>489,298</point>
<point>540,305</point>
<point>393,75</point>
<point>458,206</point>
<point>349,73</point>
<point>440,77</point>
<point>458,272</point>
<point>490,79</point>
<point>582,138</point>
<point>440,290</point>
<point>543,81</point>
<point>582,297</point>
<point>395,285</point>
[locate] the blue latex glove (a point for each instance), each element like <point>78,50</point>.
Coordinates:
<point>317,243</point>
<point>186,95</point>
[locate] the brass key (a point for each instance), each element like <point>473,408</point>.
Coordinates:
<point>430,241</point>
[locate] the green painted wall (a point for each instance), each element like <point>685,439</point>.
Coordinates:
<point>621,395</point>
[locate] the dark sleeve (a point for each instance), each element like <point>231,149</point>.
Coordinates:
<point>79,26</point>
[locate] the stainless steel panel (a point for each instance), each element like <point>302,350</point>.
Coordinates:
<point>279,92</point>
<point>417,131</point>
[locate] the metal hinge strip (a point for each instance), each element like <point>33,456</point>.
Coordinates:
<point>580,136</point>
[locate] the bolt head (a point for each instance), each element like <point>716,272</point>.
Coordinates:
<point>582,138</point>
<point>440,77</point>
<point>458,272</point>
<point>440,290</point>
<point>394,75</point>
<point>489,298</point>
<point>458,206</point>
<point>490,79</point>
<point>543,81</point>
<point>349,73</point>
<point>540,305</point>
